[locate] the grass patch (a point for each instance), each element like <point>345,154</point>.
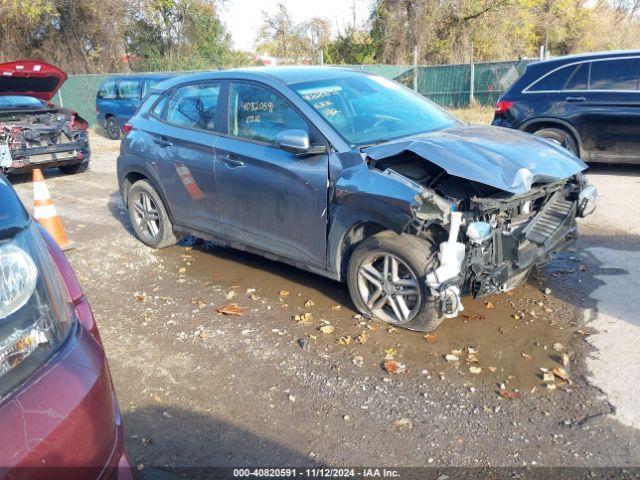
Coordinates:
<point>478,114</point>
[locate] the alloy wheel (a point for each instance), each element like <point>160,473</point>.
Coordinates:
<point>146,216</point>
<point>389,288</point>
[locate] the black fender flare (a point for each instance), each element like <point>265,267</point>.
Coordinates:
<point>557,121</point>
<point>359,210</point>
<point>151,176</point>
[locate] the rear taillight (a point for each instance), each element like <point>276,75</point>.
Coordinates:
<point>127,127</point>
<point>36,313</point>
<point>503,106</point>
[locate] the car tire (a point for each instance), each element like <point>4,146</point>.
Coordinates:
<point>112,127</point>
<point>414,260</point>
<point>149,217</point>
<point>560,137</point>
<point>75,168</point>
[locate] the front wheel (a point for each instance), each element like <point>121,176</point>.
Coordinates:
<point>386,279</point>
<point>149,218</point>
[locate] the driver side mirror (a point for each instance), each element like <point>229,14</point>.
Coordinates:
<point>297,141</point>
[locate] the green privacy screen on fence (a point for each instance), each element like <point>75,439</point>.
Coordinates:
<point>447,85</point>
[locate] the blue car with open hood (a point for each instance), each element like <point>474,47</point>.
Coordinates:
<point>354,177</point>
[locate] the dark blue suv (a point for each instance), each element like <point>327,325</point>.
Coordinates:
<point>590,104</point>
<point>118,98</point>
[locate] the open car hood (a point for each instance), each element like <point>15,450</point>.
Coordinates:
<point>30,77</point>
<point>506,159</point>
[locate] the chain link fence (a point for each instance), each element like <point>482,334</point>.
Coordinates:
<point>451,86</point>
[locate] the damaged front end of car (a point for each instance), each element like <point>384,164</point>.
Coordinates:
<point>487,235</point>
<point>41,139</point>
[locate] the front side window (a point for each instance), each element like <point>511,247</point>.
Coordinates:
<point>614,75</point>
<point>107,90</point>
<point>129,89</point>
<point>367,109</point>
<point>194,106</point>
<point>258,113</point>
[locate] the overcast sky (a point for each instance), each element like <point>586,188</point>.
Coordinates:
<point>244,17</point>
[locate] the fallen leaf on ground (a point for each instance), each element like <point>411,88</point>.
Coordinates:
<point>345,341</point>
<point>564,359</point>
<point>493,369</point>
<point>362,338</point>
<point>372,326</point>
<point>558,347</point>
<point>527,356</point>
<point>489,305</point>
<point>392,330</point>
<point>548,377</point>
<point>327,329</point>
<point>358,361</point>
<point>336,307</point>
<point>430,338</point>
<point>450,357</point>
<point>475,370</point>
<point>390,353</point>
<point>551,386</point>
<point>231,294</point>
<point>561,373</point>
<point>139,297</point>
<point>472,358</point>
<point>510,395</point>
<point>231,309</point>
<point>283,293</point>
<point>391,366</point>
<point>305,318</point>
<point>309,303</point>
<point>403,424</point>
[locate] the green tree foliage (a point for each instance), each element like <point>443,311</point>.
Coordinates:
<point>175,35</point>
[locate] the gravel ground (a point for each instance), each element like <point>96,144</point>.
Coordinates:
<point>268,388</point>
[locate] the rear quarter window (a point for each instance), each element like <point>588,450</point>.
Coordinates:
<point>570,77</point>
<point>129,89</point>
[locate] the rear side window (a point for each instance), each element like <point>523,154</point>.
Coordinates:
<point>107,90</point>
<point>571,77</point>
<point>129,89</point>
<point>258,113</point>
<point>194,106</point>
<point>614,75</point>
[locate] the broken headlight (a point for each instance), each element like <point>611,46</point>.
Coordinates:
<point>587,200</point>
<point>36,315</point>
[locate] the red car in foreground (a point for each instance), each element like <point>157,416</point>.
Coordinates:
<point>59,417</point>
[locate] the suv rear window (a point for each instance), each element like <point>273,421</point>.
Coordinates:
<point>614,75</point>
<point>128,89</point>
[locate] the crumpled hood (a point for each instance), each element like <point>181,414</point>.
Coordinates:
<point>506,159</point>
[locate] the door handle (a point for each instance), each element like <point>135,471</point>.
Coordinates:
<point>163,142</point>
<point>575,99</point>
<point>231,162</point>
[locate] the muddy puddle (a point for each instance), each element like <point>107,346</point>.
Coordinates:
<point>504,339</point>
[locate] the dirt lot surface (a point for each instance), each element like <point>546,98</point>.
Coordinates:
<point>197,387</point>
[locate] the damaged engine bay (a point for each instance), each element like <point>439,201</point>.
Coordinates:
<point>505,234</point>
<point>41,138</point>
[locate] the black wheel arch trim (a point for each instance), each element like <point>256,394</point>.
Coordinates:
<point>152,178</point>
<point>560,123</point>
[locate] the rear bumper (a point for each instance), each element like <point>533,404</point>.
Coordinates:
<point>57,155</point>
<point>65,422</point>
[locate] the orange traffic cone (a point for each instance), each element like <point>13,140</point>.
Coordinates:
<point>44,211</point>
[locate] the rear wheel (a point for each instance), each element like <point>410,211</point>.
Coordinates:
<point>113,128</point>
<point>559,137</point>
<point>386,279</point>
<point>149,218</point>
<point>75,168</point>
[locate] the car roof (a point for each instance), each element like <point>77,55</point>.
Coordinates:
<point>286,75</point>
<point>586,56</point>
<point>141,76</point>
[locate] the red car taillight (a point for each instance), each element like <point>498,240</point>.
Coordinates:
<point>503,106</point>
<point>127,127</point>
<point>36,313</point>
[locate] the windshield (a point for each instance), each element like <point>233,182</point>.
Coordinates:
<point>10,102</point>
<point>367,109</point>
